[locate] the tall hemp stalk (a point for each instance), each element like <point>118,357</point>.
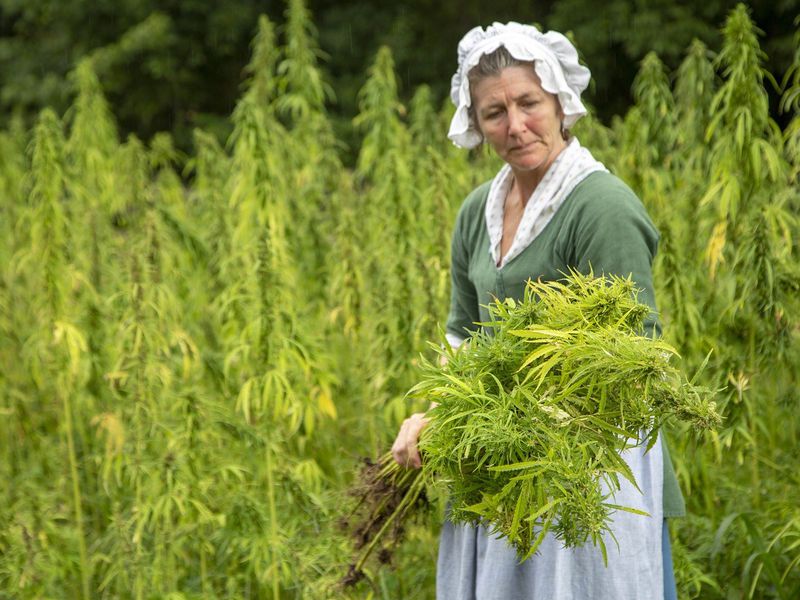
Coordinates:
<point>122,425</point>
<point>385,183</point>
<point>650,141</point>
<point>91,148</point>
<point>312,197</point>
<point>752,230</point>
<point>268,366</point>
<point>256,234</point>
<point>682,291</point>
<point>316,167</point>
<point>436,202</point>
<point>679,272</point>
<point>137,380</point>
<point>60,347</point>
<point>92,187</point>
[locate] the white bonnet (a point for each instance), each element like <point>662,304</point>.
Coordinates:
<point>555,62</point>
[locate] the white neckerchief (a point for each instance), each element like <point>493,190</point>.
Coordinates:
<point>570,167</point>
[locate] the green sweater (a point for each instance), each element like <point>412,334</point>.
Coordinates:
<point>601,225</point>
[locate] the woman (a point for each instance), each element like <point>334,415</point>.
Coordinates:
<point>550,208</point>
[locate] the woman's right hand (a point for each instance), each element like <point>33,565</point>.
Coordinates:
<point>404,449</point>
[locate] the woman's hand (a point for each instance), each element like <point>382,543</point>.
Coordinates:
<point>404,449</point>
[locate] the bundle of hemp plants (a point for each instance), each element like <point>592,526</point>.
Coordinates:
<point>533,412</point>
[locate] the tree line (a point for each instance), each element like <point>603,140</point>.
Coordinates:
<point>175,65</point>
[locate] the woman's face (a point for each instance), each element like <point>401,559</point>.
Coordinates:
<point>519,119</point>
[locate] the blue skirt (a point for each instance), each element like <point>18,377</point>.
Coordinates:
<point>670,592</point>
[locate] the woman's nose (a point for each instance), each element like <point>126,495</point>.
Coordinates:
<point>516,120</point>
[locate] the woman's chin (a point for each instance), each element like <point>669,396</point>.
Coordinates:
<point>526,164</point>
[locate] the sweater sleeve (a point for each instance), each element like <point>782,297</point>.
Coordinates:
<point>613,235</point>
<point>463,297</point>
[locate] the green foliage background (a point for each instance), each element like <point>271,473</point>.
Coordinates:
<point>195,348</point>
<point>175,65</point>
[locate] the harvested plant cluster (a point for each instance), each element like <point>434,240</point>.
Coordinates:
<point>533,412</point>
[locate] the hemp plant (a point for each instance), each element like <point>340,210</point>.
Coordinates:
<point>682,289</point>
<point>312,147</point>
<point>533,413</point>
<point>57,349</point>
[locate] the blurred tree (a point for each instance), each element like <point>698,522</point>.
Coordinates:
<point>615,39</point>
<point>168,64</point>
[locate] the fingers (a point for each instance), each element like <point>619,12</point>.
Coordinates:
<point>404,450</point>
<point>403,445</point>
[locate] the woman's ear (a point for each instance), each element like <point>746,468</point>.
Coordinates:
<point>560,113</point>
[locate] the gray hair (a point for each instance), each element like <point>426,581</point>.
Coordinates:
<point>491,65</point>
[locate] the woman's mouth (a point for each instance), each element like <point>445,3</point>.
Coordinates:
<point>524,147</point>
